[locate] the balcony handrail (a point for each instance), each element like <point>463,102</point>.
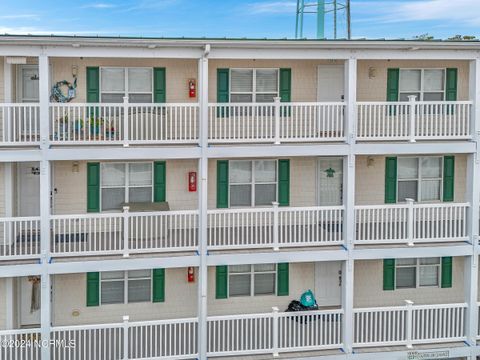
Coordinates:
<point>462,102</point>
<point>129,104</point>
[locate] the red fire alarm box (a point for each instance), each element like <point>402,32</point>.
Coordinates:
<point>192,88</point>
<point>192,181</point>
<point>190,274</point>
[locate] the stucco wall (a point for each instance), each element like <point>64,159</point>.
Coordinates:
<point>368,287</point>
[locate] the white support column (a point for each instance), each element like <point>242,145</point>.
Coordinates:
<point>351,99</point>
<point>44,94</point>
<point>7,81</point>
<point>9,201</point>
<point>203,204</point>
<point>471,298</point>
<point>348,270</point>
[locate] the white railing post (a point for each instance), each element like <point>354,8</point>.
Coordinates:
<point>411,102</point>
<point>126,134</point>
<point>409,323</point>
<point>125,327</point>
<point>277,119</point>
<point>410,221</point>
<point>275,331</point>
<point>126,231</point>
<point>275,226</point>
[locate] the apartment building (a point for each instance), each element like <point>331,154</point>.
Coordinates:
<point>190,189</point>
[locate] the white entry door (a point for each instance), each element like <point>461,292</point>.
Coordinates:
<point>330,181</point>
<point>28,176</point>
<point>29,312</point>
<point>330,83</point>
<point>28,88</point>
<point>328,283</point>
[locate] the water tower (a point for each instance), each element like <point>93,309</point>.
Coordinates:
<point>332,14</point>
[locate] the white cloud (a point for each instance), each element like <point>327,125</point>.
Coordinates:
<point>20,16</point>
<point>99,6</point>
<point>273,7</point>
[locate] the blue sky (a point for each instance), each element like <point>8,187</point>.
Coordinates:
<point>232,18</point>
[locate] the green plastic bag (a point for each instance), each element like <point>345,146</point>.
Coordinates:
<point>308,299</point>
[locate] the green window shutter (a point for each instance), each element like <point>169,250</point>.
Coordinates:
<point>223,87</point>
<point>448,178</point>
<point>93,84</point>
<point>93,289</point>
<point>221,282</point>
<point>222,184</point>
<point>286,85</point>
<point>93,187</point>
<point>389,274</point>
<point>390,180</point>
<point>393,80</point>
<point>158,285</point>
<point>284,182</point>
<point>159,181</point>
<point>159,85</point>
<point>282,279</point>
<point>447,272</point>
<point>451,84</point>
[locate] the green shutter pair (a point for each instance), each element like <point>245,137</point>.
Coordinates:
<point>93,184</point>
<point>283,183</point>
<point>389,273</point>
<point>393,84</point>
<point>223,85</point>
<point>93,85</point>
<point>221,281</point>
<point>93,287</point>
<point>391,179</point>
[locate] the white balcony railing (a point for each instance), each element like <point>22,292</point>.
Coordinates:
<point>124,233</point>
<point>20,237</point>
<point>273,333</point>
<point>127,123</point>
<point>275,227</point>
<point>413,120</point>
<point>23,344</point>
<point>19,124</point>
<point>411,223</point>
<point>276,122</point>
<point>409,324</point>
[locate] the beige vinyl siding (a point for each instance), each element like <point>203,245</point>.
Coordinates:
<point>375,88</point>
<point>368,287</point>
<point>301,279</point>
<point>370,180</point>
<point>69,297</point>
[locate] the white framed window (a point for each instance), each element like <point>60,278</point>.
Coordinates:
<point>416,273</point>
<point>425,84</point>
<point>252,280</point>
<point>420,178</point>
<point>134,82</point>
<point>252,182</point>
<point>123,287</point>
<point>253,85</point>
<point>125,182</point>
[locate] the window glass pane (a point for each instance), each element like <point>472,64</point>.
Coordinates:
<point>431,167</point>
<point>239,268</point>
<point>139,80</point>
<point>140,174</point>
<point>428,276</point>
<point>264,267</point>
<point>410,80</point>
<point>239,285</point>
<point>139,290</point>
<point>433,80</point>
<point>407,190</point>
<point>112,275</point>
<point>264,98</point>
<point>140,98</point>
<point>241,80</point>
<point>112,292</point>
<point>143,194</point>
<point>407,168</point>
<point>113,79</point>
<point>404,97</point>
<point>112,98</point>
<point>112,198</point>
<point>240,172</point>
<point>405,277</point>
<point>113,174</point>
<point>433,97</point>
<point>241,98</point>
<point>265,171</point>
<point>265,194</point>
<point>430,190</point>
<point>429,261</point>
<point>241,195</point>
<point>133,274</point>
<point>267,80</point>
<point>264,284</point>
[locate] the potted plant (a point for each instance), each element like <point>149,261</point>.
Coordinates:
<point>95,125</point>
<point>62,127</point>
